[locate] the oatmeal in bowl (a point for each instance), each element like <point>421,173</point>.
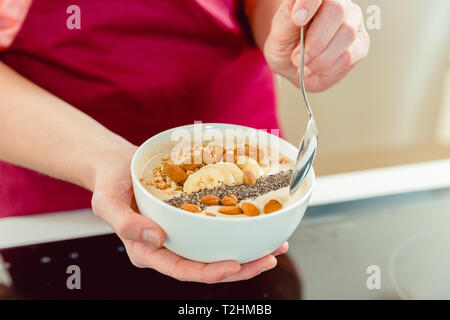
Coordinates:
<point>220,192</point>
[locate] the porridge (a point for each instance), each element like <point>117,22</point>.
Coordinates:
<point>212,180</point>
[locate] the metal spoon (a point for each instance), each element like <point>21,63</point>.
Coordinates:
<point>308,145</point>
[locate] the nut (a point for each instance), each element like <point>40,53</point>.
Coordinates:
<point>190,167</point>
<point>210,200</point>
<point>212,154</point>
<point>190,207</point>
<point>174,172</point>
<point>230,210</point>
<point>284,160</point>
<point>272,206</point>
<point>230,155</point>
<point>161,185</point>
<point>230,200</point>
<point>210,214</point>
<point>249,209</point>
<point>254,152</point>
<point>249,178</point>
<point>251,151</point>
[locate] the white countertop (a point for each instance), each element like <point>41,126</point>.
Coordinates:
<point>16,231</point>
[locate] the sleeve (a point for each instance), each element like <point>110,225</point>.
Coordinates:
<point>12,15</point>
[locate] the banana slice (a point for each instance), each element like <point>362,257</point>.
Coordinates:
<point>205,178</point>
<point>231,172</point>
<point>246,163</point>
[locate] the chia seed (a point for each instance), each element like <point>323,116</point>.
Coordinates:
<point>242,192</point>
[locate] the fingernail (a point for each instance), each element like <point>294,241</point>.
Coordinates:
<point>151,236</point>
<point>306,72</point>
<point>306,59</point>
<point>297,59</point>
<point>300,16</point>
<point>271,266</point>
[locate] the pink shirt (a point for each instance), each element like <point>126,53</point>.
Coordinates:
<point>138,67</point>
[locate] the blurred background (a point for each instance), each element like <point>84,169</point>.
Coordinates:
<point>394,108</point>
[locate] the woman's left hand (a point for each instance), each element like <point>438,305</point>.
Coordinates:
<point>113,201</point>
<point>336,40</point>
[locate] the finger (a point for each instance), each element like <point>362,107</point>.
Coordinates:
<point>306,73</point>
<point>283,28</point>
<point>343,39</point>
<point>304,10</point>
<point>282,249</point>
<point>320,82</point>
<point>356,52</point>
<point>323,28</point>
<point>295,76</point>
<point>252,269</point>
<point>348,60</point>
<point>325,79</point>
<point>128,224</point>
<point>175,266</point>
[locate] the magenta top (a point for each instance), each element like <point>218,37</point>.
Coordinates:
<point>138,67</point>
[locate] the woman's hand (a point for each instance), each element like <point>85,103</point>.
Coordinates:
<point>143,239</point>
<point>336,40</point>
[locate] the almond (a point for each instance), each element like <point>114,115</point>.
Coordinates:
<point>251,151</point>
<point>210,214</point>
<point>249,209</point>
<point>272,206</point>
<point>230,200</point>
<point>249,178</point>
<point>210,200</point>
<point>174,172</point>
<point>190,167</point>
<point>190,207</point>
<point>230,210</point>
<point>284,160</point>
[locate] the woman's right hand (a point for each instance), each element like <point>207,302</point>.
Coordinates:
<point>113,202</point>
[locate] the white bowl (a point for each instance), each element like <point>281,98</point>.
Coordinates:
<point>210,239</point>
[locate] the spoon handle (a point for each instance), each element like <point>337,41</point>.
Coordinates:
<point>302,66</point>
<point>308,144</point>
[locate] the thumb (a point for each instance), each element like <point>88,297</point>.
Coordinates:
<point>292,14</point>
<point>130,225</point>
<point>303,10</point>
<point>127,223</point>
